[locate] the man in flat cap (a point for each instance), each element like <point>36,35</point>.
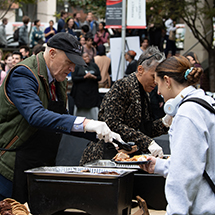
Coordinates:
<point>33,114</point>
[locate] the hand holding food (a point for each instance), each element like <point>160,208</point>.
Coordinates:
<point>150,166</point>
<point>155,149</point>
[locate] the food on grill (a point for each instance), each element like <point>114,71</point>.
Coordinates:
<point>85,170</point>
<point>109,173</point>
<point>104,172</point>
<point>121,157</point>
<point>124,157</point>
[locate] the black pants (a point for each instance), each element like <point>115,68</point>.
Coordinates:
<point>170,46</point>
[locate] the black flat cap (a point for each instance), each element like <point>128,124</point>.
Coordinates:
<point>69,44</point>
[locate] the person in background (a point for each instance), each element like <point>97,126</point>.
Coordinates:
<point>69,26</point>
<point>2,75</point>
<point>144,44</point>
<point>50,31</point>
<point>132,63</point>
<point>157,104</point>
<point>76,17</point>
<point>170,42</point>
<point>204,80</point>
<point>93,25</point>
<point>25,50</point>
<point>23,32</point>
<point>191,137</point>
<point>33,114</point>
<point>155,28</point>
<point>101,35</point>
<point>36,34</point>
<point>85,89</point>
<point>2,61</point>
<point>82,40</point>
<point>61,22</point>
<point>126,109</point>
<point>3,38</point>
<point>84,30</point>
<point>17,57</point>
<point>8,59</point>
<point>103,63</point>
<point>38,48</point>
<point>88,47</point>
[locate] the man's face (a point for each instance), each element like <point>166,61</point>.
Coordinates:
<point>24,53</point>
<point>60,65</point>
<point>16,59</point>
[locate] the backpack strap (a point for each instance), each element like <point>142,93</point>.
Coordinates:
<point>206,105</point>
<point>201,102</point>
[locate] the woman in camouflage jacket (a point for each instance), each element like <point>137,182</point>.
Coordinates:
<point>126,110</point>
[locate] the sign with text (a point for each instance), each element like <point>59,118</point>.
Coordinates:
<point>113,13</point>
<point>136,14</point>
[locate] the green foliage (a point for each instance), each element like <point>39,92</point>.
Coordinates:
<point>5,4</point>
<point>97,7</point>
<point>197,14</point>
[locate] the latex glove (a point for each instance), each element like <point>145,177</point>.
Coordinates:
<point>167,120</point>
<point>101,128</point>
<point>155,149</point>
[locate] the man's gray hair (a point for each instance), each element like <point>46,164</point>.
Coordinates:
<point>152,54</point>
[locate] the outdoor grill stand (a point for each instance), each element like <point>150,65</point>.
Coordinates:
<point>97,195</point>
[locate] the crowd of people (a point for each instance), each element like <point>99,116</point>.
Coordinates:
<point>33,114</point>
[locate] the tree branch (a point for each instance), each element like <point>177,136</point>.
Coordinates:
<point>6,10</point>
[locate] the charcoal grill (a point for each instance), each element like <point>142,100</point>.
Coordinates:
<point>150,187</point>
<point>53,189</point>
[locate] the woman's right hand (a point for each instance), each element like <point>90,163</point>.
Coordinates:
<point>149,167</point>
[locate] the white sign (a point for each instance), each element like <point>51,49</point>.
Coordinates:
<point>136,14</point>
<point>132,43</point>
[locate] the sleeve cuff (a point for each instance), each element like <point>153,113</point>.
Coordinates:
<point>162,167</point>
<point>78,124</point>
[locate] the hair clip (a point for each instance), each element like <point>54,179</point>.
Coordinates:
<point>188,72</point>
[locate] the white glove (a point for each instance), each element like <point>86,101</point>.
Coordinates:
<point>167,120</point>
<point>117,137</point>
<point>101,128</point>
<point>155,149</point>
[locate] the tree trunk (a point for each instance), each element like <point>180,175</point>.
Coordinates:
<point>212,69</point>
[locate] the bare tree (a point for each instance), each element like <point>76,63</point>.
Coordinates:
<point>198,15</point>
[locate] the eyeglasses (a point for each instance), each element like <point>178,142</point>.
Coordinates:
<point>156,55</point>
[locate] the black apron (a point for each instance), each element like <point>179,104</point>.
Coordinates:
<point>40,150</point>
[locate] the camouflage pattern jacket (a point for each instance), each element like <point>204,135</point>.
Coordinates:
<point>121,109</point>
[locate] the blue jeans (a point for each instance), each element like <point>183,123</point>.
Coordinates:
<point>6,187</point>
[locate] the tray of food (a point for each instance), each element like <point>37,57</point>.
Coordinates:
<point>122,158</point>
<point>77,171</point>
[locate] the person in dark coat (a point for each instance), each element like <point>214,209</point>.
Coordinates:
<point>85,89</point>
<point>132,65</point>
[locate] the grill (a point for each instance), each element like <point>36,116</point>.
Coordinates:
<point>109,163</point>
<point>53,189</point>
<point>149,186</point>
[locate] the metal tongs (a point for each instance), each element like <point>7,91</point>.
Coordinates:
<point>123,145</point>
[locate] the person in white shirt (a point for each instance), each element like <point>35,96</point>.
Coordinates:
<point>191,136</point>
<point>170,40</point>
<point>3,39</point>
